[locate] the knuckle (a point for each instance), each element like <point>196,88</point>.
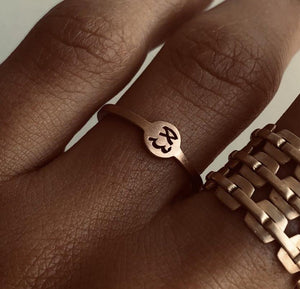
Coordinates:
<point>224,63</point>
<point>79,35</point>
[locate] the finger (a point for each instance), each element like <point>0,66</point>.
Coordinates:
<point>210,80</point>
<point>236,258</point>
<point>74,60</point>
<point>198,242</point>
<point>109,190</point>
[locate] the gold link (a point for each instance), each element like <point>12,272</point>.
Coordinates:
<point>289,212</point>
<point>269,128</point>
<point>291,138</point>
<point>285,140</point>
<point>267,161</point>
<point>293,152</point>
<point>232,164</point>
<point>247,159</point>
<point>276,183</point>
<point>289,246</point>
<point>260,169</point>
<point>253,164</point>
<point>224,171</point>
<point>278,139</point>
<point>291,205</point>
<point>294,201</point>
<point>257,212</point>
<point>271,137</point>
<point>241,183</point>
<point>211,183</point>
<point>276,153</point>
<point>223,182</point>
<point>287,260</point>
<point>259,228</point>
<point>254,142</point>
<point>294,184</point>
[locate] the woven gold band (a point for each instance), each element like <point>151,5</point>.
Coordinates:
<point>252,168</point>
<point>161,138</point>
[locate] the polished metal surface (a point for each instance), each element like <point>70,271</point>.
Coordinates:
<point>289,212</point>
<point>275,216</point>
<point>161,138</point>
<point>225,196</point>
<point>286,259</point>
<point>255,169</point>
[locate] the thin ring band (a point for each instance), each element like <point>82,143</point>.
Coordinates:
<point>161,138</point>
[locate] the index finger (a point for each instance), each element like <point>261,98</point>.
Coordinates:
<point>75,59</point>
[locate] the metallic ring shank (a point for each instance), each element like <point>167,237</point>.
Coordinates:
<point>161,138</point>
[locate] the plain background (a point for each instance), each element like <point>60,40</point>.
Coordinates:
<point>17,17</point>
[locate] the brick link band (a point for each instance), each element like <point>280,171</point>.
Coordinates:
<point>248,171</point>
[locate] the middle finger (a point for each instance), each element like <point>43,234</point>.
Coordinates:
<point>212,78</point>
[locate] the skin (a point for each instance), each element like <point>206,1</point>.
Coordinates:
<point>107,214</point>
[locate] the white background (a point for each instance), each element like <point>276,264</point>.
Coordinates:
<point>18,16</point>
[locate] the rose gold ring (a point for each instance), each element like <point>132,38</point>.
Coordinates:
<point>257,166</point>
<point>161,138</point>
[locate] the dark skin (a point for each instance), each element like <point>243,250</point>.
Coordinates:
<point>107,214</point>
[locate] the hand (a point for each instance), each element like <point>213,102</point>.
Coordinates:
<point>107,214</point>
